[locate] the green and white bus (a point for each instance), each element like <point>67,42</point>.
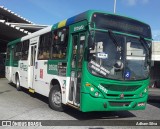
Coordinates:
<point>94,61</point>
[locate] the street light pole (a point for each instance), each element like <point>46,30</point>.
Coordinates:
<point>114,6</point>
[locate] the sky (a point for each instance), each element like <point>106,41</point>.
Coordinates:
<point>49,12</point>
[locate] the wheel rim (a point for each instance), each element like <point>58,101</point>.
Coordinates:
<point>56,98</point>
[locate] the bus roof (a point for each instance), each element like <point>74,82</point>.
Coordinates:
<point>85,15</point>
<point>82,16</point>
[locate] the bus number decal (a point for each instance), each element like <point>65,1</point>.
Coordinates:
<point>102,88</point>
<point>102,55</point>
<point>78,28</point>
<point>64,83</point>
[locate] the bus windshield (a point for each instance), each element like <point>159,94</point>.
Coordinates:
<point>108,61</point>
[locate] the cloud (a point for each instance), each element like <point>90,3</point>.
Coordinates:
<point>135,2</point>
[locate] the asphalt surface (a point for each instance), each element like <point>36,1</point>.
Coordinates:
<point>22,105</point>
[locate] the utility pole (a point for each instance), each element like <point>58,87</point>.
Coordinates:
<point>114,6</point>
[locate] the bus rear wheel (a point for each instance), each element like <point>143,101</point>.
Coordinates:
<point>55,98</point>
<point>18,86</point>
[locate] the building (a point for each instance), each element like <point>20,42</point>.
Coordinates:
<point>13,26</point>
<point>155,70</point>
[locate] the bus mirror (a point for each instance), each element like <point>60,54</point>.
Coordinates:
<point>91,43</point>
<point>92,25</point>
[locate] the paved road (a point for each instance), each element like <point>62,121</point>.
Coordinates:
<point>15,105</point>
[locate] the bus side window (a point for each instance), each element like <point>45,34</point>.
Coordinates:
<point>18,51</point>
<point>59,46</point>
<point>25,49</point>
<point>44,47</point>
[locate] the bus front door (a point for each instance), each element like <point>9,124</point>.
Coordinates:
<point>78,41</point>
<point>32,65</point>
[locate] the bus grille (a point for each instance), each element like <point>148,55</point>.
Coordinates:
<point>120,88</point>
<point>117,95</point>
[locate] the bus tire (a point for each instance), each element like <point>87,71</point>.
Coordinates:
<point>18,86</point>
<point>55,98</point>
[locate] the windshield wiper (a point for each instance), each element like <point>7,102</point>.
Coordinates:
<point>118,64</point>
<point>113,38</point>
<point>146,48</point>
<point>144,44</point>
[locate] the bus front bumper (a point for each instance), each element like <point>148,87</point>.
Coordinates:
<point>89,103</point>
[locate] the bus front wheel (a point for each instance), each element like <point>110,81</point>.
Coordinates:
<point>55,98</point>
<point>18,86</point>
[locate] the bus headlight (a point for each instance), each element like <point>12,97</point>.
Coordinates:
<point>96,94</point>
<point>92,89</point>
